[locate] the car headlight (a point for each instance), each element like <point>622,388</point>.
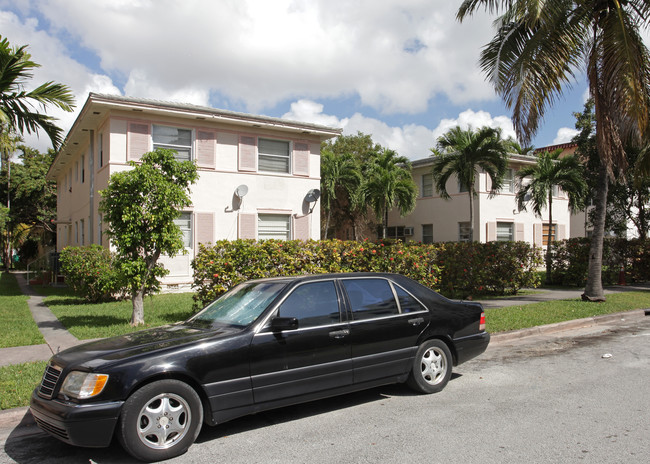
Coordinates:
<point>83,384</point>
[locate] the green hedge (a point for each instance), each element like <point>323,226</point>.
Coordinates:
<point>89,270</point>
<point>571,261</point>
<point>456,269</point>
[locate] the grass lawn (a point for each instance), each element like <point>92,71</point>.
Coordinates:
<point>550,312</point>
<point>98,320</point>
<point>16,316</point>
<point>17,383</point>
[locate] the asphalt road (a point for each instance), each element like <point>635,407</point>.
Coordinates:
<point>544,399</point>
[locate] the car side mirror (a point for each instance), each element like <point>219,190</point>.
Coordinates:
<point>279,324</point>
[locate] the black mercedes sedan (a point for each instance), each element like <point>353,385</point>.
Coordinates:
<point>264,344</point>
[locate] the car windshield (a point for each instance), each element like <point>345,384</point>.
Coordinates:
<point>240,306</point>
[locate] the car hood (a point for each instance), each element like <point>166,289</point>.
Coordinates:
<point>109,350</point>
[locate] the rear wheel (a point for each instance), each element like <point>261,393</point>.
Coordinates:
<point>431,367</point>
<point>160,421</point>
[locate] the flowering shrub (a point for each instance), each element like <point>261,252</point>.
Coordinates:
<point>454,269</point>
<point>90,272</point>
<point>571,260</point>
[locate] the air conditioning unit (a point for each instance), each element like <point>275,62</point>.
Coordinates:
<point>408,231</point>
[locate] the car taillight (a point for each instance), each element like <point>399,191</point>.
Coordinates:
<point>481,325</point>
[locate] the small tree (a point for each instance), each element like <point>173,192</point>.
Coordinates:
<point>140,206</point>
<point>462,153</point>
<point>550,171</point>
<point>340,180</point>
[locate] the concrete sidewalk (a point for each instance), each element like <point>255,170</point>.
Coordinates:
<point>57,338</point>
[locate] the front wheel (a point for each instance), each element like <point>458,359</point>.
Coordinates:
<point>431,367</point>
<point>160,421</point>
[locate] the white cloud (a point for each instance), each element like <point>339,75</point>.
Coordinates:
<point>412,140</point>
<point>564,135</point>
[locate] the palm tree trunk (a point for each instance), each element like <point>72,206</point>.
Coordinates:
<point>327,222</point>
<point>385,222</point>
<point>551,236</point>
<point>594,288</point>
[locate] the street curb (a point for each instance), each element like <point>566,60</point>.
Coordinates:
<point>13,417</point>
<point>502,337</point>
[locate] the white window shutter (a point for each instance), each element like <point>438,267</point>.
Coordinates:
<point>537,234</point>
<point>301,228</point>
<point>204,227</point>
<point>301,159</point>
<point>206,148</point>
<point>247,153</point>
<point>247,226</point>
<point>138,140</point>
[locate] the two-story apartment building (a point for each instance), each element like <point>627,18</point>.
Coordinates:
<point>258,176</point>
<point>496,217</point>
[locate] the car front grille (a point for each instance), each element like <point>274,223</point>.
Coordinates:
<point>52,429</point>
<point>50,379</point>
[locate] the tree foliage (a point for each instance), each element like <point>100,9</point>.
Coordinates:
<point>140,206</point>
<point>550,171</point>
<point>539,48</point>
<point>461,153</point>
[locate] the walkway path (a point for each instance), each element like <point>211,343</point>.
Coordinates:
<point>57,338</point>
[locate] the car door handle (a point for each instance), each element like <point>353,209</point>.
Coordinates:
<point>416,321</point>
<point>339,333</point>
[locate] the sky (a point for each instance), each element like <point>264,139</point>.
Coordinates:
<point>403,71</point>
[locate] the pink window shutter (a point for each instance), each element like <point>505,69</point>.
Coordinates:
<point>248,226</point>
<point>537,235</point>
<point>206,148</point>
<point>301,228</point>
<point>491,231</point>
<point>204,228</point>
<point>301,159</point>
<point>247,153</point>
<point>519,232</point>
<point>138,140</point>
<point>561,232</point>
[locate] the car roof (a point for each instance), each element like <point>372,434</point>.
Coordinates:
<point>312,277</point>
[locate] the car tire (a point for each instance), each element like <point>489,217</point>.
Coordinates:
<point>431,367</point>
<point>160,420</point>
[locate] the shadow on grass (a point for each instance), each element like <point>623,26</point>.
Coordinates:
<point>85,320</point>
<point>8,285</point>
<point>64,301</point>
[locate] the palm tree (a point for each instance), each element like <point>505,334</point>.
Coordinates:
<point>539,47</point>
<point>462,153</point>
<point>340,175</point>
<point>549,171</point>
<point>387,184</point>
<point>17,105</point>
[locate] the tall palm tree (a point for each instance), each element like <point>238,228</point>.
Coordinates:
<point>537,50</point>
<point>549,171</point>
<point>340,176</point>
<point>462,153</point>
<point>17,105</point>
<point>388,183</point>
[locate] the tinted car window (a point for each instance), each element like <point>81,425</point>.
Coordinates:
<point>312,304</point>
<point>370,298</point>
<point>407,303</point>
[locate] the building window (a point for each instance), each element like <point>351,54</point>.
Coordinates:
<point>427,185</point>
<point>83,168</point>
<point>100,150</point>
<point>427,233</point>
<point>505,232</point>
<point>273,226</point>
<point>464,232</point>
<point>82,230</point>
<point>462,188</point>
<point>273,155</point>
<point>76,233</point>
<point>395,232</point>
<point>508,182</point>
<point>184,222</point>
<point>545,234</point>
<point>76,171</point>
<point>174,138</point>
<point>99,230</point>
<point>556,191</point>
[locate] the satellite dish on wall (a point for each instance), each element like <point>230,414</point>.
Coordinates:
<point>241,191</point>
<point>312,195</point>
